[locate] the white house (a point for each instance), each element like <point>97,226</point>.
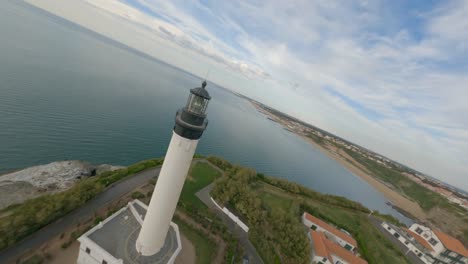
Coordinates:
<point>441,247</point>
<point>408,242</point>
<point>325,251</point>
<point>426,238</point>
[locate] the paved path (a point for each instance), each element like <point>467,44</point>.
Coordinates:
<point>251,252</point>
<point>410,255</point>
<point>78,215</point>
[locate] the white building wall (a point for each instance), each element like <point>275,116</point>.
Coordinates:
<point>337,259</point>
<point>166,194</point>
<point>179,243</point>
<point>340,241</point>
<point>232,216</point>
<point>410,246</point>
<point>316,259</point>
<point>306,221</point>
<point>96,254</point>
<point>427,234</point>
<point>174,226</point>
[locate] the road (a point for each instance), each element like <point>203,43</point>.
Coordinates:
<point>79,215</point>
<point>410,255</point>
<point>251,252</point>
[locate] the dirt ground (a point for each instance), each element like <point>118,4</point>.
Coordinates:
<point>52,251</point>
<point>221,244</point>
<point>187,254</point>
<point>68,255</point>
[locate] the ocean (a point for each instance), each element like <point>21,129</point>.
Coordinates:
<point>69,93</point>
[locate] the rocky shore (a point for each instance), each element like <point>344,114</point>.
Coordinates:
<point>21,185</point>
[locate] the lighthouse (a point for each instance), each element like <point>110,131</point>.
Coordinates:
<point>190,123</point>
<point>140,233</point>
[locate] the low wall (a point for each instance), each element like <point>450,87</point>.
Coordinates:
<point>232,216</point>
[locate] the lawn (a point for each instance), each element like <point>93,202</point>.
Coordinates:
<point>274,198</point>
<point>203,246</point>
<point>372,244</point>
<point>201,174</point>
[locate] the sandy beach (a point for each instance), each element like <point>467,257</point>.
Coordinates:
<point>354,167</point>
<point>402,203</point>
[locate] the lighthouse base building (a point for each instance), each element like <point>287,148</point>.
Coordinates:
<point>113,241</point>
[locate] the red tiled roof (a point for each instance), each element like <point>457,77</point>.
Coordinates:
<point>331,229</point>
<point>319,245</point>
<point>420,240</point>
<point>336,249</point>
<point>451,243</point>
<point>325,248</point>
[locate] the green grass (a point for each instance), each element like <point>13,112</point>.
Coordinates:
<point>265,252</point>
<point>374,247</point>
<point>426,198</point>
<point>274,232</point>
<point>317,139</point>
<point>201,174</point>
<point>203,246</point>
<point>137,195</point>
<point>285,202</point>
<point>277,200</point>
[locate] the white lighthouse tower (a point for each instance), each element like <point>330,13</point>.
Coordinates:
<point>145,234</point>
<point>190,123</point>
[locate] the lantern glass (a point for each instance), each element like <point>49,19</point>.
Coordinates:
<point>197,104</point>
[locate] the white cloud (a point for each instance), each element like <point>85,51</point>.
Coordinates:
<point>413,78</point>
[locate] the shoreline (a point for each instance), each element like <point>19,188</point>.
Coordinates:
<point>400,203</point>
<point>410,208</point>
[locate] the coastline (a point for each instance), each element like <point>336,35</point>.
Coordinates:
<point>404,205</point>
<point>399,202</point>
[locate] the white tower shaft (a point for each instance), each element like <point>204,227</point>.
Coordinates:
<point>166,194</point>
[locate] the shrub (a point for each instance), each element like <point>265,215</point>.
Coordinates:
<point>137,195</point>
<point>97,220</point>
<point>66,244</point>
<point>269,229</point>
<point>220,163</point>
<point>325,198</point>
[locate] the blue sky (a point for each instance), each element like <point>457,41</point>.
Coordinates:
<point>389,75</point>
